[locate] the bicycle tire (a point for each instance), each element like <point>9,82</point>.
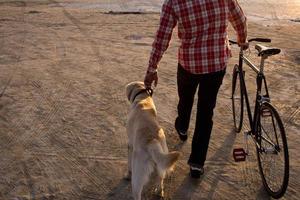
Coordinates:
<point>269,177</point>
<point>237,98</point>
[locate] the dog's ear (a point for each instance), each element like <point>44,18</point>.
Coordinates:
<point>129,90</point>
<point>133,86</point>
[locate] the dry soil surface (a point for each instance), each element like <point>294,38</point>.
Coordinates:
<point>63,109</point>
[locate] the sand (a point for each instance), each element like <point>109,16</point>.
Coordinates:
<point>63,109</point>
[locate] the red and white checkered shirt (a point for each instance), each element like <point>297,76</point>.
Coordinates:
<point>202,29</point>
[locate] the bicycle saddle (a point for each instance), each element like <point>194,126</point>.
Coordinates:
<point>268,51</point>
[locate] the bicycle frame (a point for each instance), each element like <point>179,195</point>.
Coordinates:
<point>261,119</point>
<point>260,81</point>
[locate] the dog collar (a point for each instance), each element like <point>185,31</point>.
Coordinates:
<point>149,91</point>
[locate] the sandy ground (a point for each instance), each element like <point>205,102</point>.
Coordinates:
<point>63,108</point>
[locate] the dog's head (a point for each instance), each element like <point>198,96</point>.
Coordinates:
<point>133,88</point>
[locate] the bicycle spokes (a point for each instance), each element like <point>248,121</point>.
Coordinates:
<point>272,152</point>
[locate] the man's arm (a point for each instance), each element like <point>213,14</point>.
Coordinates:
<point>163,36</point>
<point>238,20</point>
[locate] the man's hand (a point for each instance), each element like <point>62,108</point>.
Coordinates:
<point>244,45</point>
<point>149,78</point>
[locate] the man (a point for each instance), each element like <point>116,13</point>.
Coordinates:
<point>202,60</point>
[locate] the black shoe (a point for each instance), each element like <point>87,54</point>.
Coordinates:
<point>196,172</point>
<point>182,134</point>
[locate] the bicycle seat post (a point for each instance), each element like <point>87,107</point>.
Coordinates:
<point>262,63</point>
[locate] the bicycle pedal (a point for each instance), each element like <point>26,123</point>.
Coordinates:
<point>239,154</point>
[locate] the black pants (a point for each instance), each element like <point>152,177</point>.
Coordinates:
<point>209,85</point>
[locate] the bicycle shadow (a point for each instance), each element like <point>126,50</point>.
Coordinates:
<point>222,154</point>
<point>190,186</point>
<point>262,194</point>
<point>226,149</point>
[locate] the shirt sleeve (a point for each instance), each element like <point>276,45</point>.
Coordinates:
<point>238,20</point>
<point>163,35</point>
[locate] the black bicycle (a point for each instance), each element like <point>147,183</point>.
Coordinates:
<point>266,128</point>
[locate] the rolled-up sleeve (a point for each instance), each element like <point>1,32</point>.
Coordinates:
<point>238,20</point>
<point>163,36</point>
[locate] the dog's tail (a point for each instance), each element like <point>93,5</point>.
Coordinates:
<point>164,160</point>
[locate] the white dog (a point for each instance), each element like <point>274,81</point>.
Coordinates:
<point>147,147</point>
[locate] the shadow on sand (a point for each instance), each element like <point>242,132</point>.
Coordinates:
<point>121,191</point>
<point>189,186</point>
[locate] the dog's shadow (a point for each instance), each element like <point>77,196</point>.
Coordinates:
<point>187,188</point>
<point>121,191</point>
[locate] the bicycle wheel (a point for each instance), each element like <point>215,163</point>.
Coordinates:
<point>273,158</point>
<point>237,100</point>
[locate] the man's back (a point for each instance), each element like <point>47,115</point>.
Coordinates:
<point>198,19</point>
<point>202,26</point>
<point>202,29</point>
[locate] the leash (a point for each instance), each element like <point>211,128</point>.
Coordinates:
<point>149,91</point>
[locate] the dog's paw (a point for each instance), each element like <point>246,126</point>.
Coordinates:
<point>159,192</point>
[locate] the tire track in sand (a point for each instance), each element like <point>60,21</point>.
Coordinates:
<point>49,118</point>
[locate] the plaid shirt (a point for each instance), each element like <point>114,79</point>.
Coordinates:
<point>202,29</point>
